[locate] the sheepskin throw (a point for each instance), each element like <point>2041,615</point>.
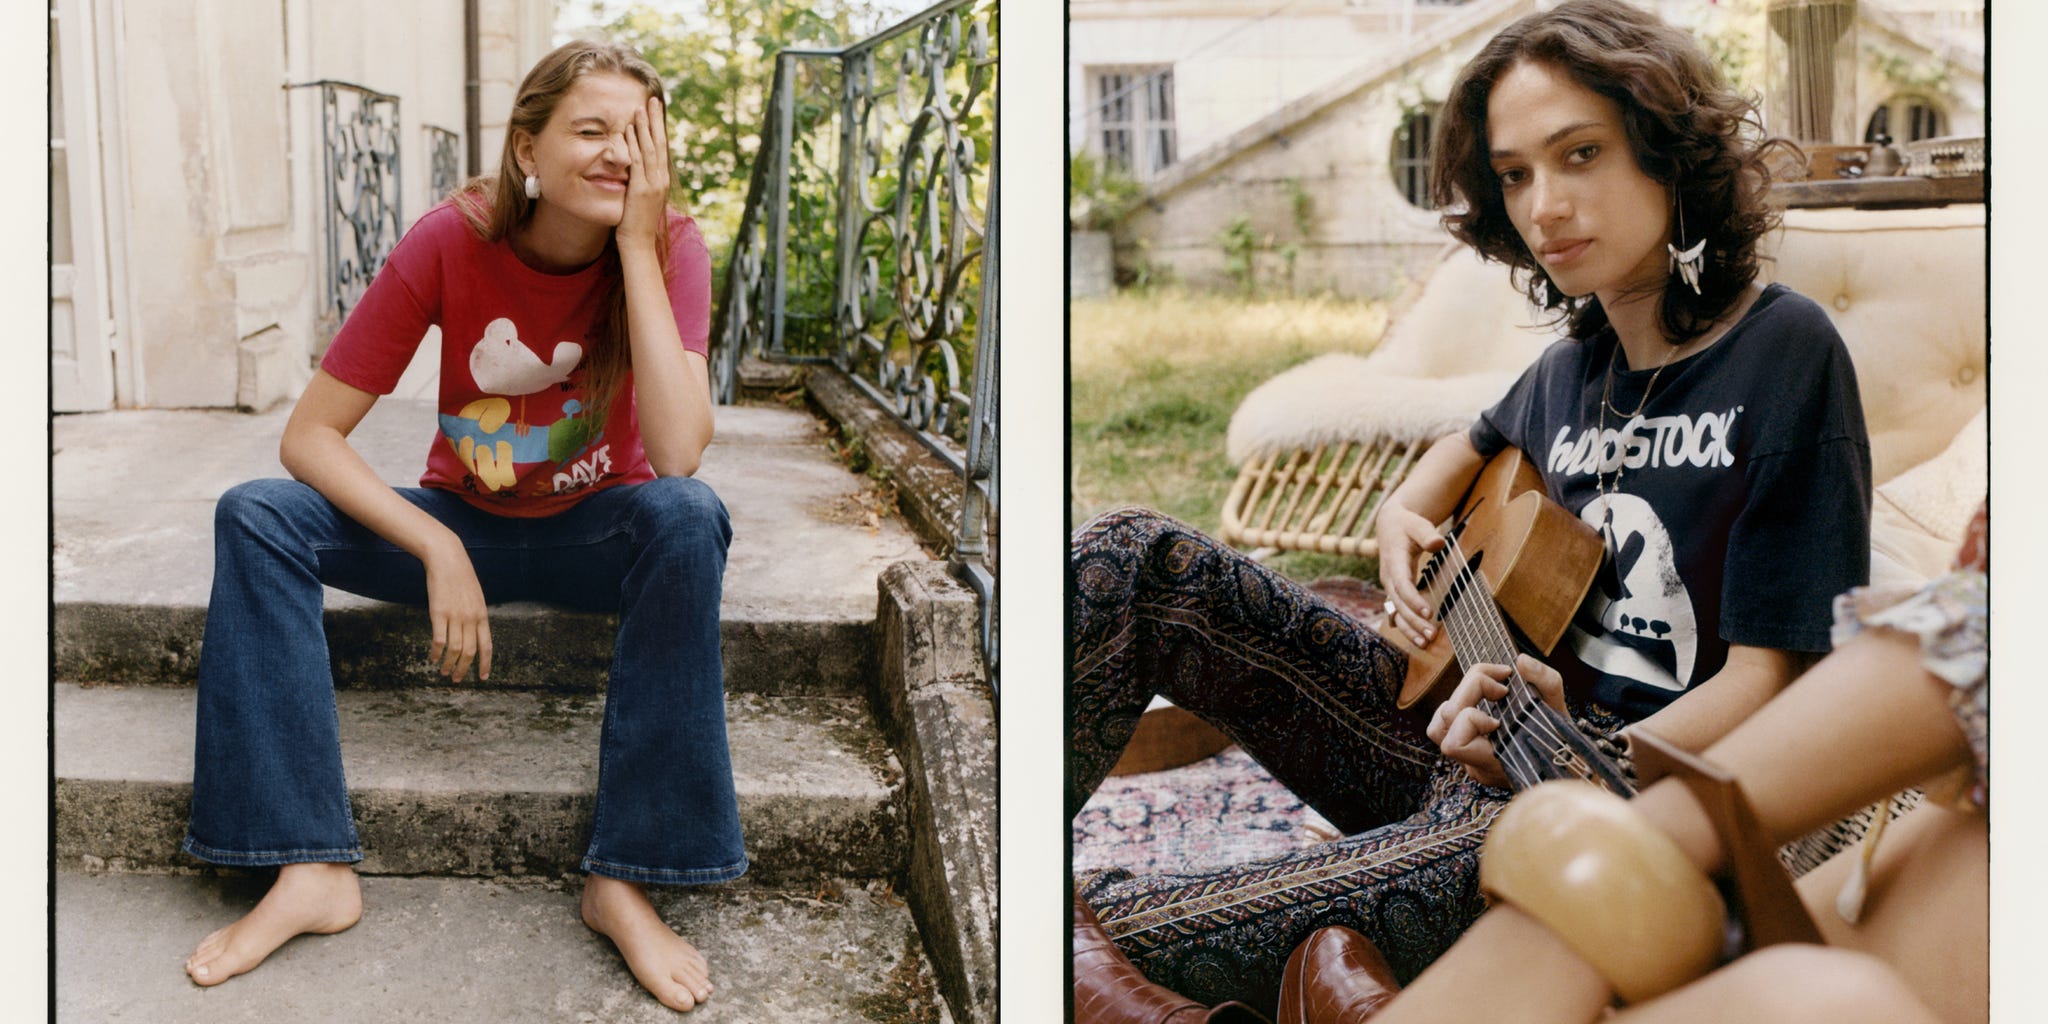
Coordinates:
<point>1452,352</point>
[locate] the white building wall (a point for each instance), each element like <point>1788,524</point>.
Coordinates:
<point>412,50</point>
<point>1234,62</point>
<point>183,324</point>
<point>1364,237</point>
<point>513,35</point>
<point>218,170</point>
<point>1955,36</point>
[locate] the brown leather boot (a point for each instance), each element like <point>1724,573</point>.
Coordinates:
<point>1109,989</point>
<point>1337,976</point>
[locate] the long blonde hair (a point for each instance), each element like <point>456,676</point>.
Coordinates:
<point>496,204</point>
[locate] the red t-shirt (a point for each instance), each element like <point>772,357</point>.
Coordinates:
<point>514,435</point>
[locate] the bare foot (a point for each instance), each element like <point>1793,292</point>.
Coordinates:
<point>320,899</point>
<point>665,964</point>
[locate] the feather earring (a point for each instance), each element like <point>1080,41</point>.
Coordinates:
<point>1686,262</point>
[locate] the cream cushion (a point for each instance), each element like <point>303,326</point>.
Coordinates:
<point>1917,518</point>
<point>1906,290</point>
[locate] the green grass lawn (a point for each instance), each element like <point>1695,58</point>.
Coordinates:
<point>1155,379</point>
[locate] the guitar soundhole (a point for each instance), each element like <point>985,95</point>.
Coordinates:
<point>1434,564</point>
<point>1459,584</point>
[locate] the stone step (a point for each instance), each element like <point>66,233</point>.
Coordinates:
<point>455,951</point>
<point>485,783</point>
<point>133,494</point>
<point>373,645</point>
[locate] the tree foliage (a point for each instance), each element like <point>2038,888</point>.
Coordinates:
<point>717,59</point>
<point>718,63</point>
<point>1732,33</point>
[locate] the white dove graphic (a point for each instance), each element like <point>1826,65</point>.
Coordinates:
<point>502,365</point>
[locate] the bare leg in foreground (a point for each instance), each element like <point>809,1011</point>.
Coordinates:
<point>314,898</point>
<point>1869,705</point>
<point>664,962</point>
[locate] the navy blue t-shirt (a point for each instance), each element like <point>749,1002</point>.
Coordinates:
<point>1742,505</point>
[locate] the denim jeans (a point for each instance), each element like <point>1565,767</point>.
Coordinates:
<point>267,784</point>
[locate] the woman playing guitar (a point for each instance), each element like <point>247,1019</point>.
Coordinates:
<point>1707,428</point>
<point>1902,700</point>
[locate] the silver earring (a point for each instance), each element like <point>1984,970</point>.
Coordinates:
<point>1548,298</point>
<point>1686,262</point>
<point>532,187</point>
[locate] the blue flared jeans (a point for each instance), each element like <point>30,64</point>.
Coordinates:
<point>267,783</point>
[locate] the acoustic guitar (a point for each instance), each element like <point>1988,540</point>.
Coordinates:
<point>1512,572</point>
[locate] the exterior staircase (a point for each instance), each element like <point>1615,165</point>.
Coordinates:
<point>473,801</point>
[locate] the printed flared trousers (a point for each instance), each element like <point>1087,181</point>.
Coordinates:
<point>1159,608</point>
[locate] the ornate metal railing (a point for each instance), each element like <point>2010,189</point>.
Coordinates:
<point>359,186</point>
<point>970,551</point>
<point>867,241</point>
<point>444,163</point>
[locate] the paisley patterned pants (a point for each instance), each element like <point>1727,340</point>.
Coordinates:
<point>1307,691</point>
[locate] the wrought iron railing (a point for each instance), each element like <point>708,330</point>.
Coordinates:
<point>444,163</point>
<point>970,550</point>
<point>359,187</point>
<point>867,242</point>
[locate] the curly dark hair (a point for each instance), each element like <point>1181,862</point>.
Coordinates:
<point>1689,130</point>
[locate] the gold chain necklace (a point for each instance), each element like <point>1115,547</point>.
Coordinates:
<point>1608,488</point>
<point>1607,392</point>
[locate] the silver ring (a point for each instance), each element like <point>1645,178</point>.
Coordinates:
<point>1390,608</point>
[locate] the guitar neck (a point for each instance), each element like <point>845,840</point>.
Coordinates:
<point>1537,743</point>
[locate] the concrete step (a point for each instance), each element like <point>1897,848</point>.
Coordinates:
<point>373,645</point>
<point>455,951</point>
<point>485,783</point>
<point>133,494</point>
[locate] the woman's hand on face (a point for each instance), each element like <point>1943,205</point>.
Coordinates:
<point>455,604</point>
<point>647,177</point>
<point>1464,733</point>
<point>1404,537</point>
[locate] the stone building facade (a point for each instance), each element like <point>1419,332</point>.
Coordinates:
<point>1321,184</point>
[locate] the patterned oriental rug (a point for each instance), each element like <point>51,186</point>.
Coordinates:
<point>1208,815</point>
<point>1219,811</point>
<point>1226,810</point>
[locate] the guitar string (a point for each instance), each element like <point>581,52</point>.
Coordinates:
<point>1467,635</point>
<point>1523,700</point>
<point>1521,697</point>
<point>1492,636</point>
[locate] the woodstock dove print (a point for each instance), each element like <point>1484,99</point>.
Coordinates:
<point>502,365</point>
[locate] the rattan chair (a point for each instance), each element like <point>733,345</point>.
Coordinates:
<point>1321,446</point>
<point>1324,500</point>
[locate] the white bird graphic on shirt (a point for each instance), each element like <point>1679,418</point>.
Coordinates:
<point>502,365</point>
